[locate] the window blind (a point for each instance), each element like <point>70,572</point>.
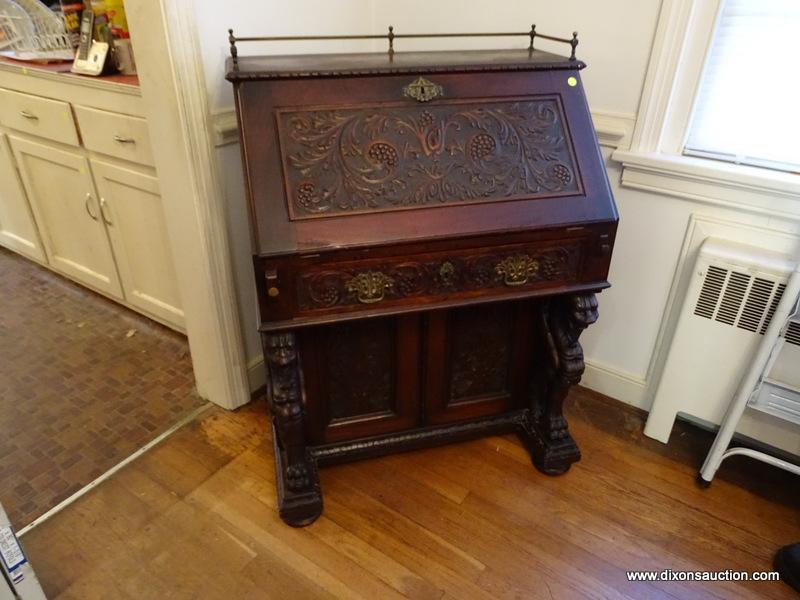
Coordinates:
<point>747,108</point>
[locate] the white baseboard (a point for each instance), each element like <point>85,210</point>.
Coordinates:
<point>256,373</point>
<point>619,385</point>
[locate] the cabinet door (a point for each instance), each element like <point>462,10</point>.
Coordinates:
<point>478,360</point>
<point>18,230</point>
<point>361,377</point>
<point>60,188</point>
<point>131,206</point>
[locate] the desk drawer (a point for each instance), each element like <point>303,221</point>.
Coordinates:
<point>298,288</point>
<point>115,134</point>
<point>51,119</point>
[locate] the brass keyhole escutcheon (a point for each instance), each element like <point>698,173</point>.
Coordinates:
<point>423,90</point>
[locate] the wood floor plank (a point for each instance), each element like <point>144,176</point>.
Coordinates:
<point>196,518</point>
<point>246,501</point>
<point>678,532</point>
<point>500,548</point>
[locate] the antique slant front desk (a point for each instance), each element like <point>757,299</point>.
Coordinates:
<point>429,230</point>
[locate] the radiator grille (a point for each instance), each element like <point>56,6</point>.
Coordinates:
<point>792,334</point>
<point>710,293</point>
<point>732,297</point>
<point>773,306</point>
<point>741,300</point>
<point>756,303</point>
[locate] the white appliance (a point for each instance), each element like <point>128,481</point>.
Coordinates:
<point>730,300</point>
<point>18,581</point>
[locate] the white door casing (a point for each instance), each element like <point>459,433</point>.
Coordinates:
<point>175,104</point>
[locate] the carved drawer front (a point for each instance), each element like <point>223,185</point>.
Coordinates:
<point>437,276</point>
<point>373,158</point>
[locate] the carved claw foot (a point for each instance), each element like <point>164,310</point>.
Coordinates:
<point>552,450</point>
<point>299,494</point>
<point>555,458</point>
<point>297,478</point>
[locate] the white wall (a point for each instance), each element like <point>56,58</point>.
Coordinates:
<point>615,41</point>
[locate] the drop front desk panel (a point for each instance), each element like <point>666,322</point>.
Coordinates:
<point>429,230</point>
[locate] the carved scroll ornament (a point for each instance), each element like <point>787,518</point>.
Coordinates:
<point>382,158</point>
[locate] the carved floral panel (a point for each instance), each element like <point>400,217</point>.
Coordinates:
<point>480,355</point>
<point>367,159</point>
<point>360,368</point>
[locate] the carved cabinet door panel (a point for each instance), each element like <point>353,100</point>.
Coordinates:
<point>361,377</point>
<point>477,360</point>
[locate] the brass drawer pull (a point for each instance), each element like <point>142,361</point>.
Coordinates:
<point>124,140</point>
<point>516,269</point>
<point>370,286</point>
<point>29,115</point>
<point>423,90</point>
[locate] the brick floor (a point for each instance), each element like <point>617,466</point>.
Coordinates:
<point>78,391</point>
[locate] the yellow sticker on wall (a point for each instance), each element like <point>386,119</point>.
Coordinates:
<point>572,81</point>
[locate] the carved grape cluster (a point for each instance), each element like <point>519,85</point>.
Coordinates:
<point>481,146</point>
<point>426,118</point>
<point>307,196</point>
<point>383,154</point>
<point>406,285</point>
<point>561,172</point>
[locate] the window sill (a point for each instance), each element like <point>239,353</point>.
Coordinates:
<point>707,181</point>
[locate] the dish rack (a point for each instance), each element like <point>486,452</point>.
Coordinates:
<point>31,31</point>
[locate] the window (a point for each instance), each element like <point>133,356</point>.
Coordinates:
<point>747,108</point>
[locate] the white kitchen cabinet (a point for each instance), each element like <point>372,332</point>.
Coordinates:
<point>131,207</point>
<point>63,198</point>
<point>18,230</point>
<point>78,191</point>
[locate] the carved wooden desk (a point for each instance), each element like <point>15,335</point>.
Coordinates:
<point>429,232</point>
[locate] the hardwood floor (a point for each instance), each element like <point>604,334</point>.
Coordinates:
<point>195,518</point>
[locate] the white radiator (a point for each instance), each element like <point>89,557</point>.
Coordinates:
<point>730,300</point>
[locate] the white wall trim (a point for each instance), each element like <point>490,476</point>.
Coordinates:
<point>175,103</point>
<point>256,373</point>
<point>683,35</point>
<point>617,384</point>
<point>659,81</point>
<point>226,128</point>
<point>749,189</point>
<point>613,129</point>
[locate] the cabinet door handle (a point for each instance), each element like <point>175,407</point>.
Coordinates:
<point>87,207</point>
<point>103,203</point>
<point>124,140</point>
<point>28,115</point>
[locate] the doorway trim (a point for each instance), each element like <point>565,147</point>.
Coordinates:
<point>175,101</point>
